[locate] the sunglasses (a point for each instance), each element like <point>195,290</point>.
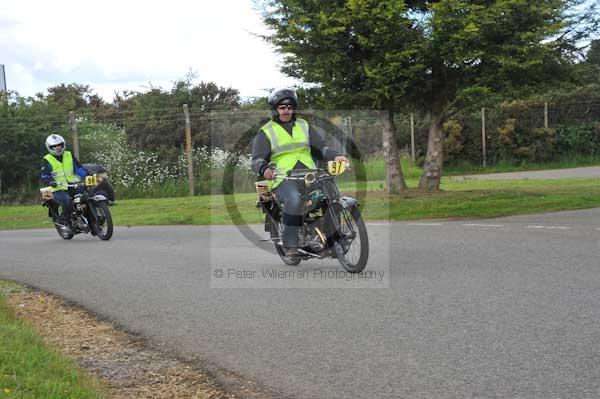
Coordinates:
<point>285,106</point>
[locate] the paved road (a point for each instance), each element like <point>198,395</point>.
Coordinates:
<point>590,172</point>
<point>501,308</point>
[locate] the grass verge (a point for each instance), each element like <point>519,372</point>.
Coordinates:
<point>30,369</point>
<point>125,365</point>
<point>567,161</point>
<point>458,199</point>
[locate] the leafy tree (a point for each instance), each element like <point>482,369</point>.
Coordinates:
<point>593,54</point>
<point>78,98</point>
<point>434,55</point>
<point>71,97</point>
<point>25,123</point>
<point>360,53</point>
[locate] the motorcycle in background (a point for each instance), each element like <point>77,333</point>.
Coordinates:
<point>90,210</point>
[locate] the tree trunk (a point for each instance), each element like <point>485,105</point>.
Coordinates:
<point>394,176</point>
<point>432,171</point>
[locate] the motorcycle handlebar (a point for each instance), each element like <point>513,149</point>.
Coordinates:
<point>300,174</point>
<point>71,185</point>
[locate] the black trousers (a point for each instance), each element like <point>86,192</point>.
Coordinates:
<point>289,197</point>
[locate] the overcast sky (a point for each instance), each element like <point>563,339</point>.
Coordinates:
<point>115,45</point>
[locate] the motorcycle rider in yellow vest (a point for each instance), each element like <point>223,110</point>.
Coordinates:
<point>290,143</point>
<point>60,167</point>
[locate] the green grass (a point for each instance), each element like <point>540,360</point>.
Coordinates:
<point>29,369</point>
<point>458,199</point>
<point>374,169</point>
<point>569,161</point>
<point>479,199</point>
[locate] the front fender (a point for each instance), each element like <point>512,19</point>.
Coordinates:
<point>98,198</point>
<point>347,202</point>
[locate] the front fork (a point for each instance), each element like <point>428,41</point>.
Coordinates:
<point>334,221</point>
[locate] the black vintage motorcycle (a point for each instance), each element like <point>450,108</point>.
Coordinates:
<point>332,224</point>
<point>90,212</point>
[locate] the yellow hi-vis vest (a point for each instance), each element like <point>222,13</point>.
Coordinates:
<point>62,172</point>
<point>287,150</point>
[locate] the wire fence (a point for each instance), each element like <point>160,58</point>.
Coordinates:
<point>147,154</point>
<point>518,133</point>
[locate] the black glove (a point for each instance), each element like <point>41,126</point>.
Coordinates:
<point>53,183</point>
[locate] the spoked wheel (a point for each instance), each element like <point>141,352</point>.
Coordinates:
<point>276,230</point>
<point>352,247</point>
<point>102,224</point>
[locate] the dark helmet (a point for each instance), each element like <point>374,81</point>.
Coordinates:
<point>283,95</point>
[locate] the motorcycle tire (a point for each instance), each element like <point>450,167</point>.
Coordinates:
<point>353,263</point>
<point>53,211</point>
<point>102,220</point>
<point>275,230</point>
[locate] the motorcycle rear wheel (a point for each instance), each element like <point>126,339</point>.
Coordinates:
<point>56,217</point>
<point>65,235</point>
<point>276,229</point>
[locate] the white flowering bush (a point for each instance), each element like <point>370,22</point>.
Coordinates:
<point>107,145</point>
<point>215,158</point>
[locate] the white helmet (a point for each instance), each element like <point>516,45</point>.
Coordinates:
<point>54,140</point>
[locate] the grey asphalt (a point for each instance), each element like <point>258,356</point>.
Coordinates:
<point>500,308</point>
<point>590,172</point>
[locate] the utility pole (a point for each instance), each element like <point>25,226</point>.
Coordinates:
<point>3,89</point>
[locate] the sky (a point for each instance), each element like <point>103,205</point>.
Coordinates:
<point>132,45</point>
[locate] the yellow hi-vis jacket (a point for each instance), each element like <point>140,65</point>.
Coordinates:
<point>62,172</point>
<point>286,149</point>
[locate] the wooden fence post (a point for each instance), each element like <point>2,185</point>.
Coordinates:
<point>73,123</point>
<point>348,133</point>
<point>483,143</point>
<point>412,138</point>
<point>188,148</point>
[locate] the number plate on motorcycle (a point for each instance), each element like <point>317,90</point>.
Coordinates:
<point>91,180</point>
<point>336,167</point>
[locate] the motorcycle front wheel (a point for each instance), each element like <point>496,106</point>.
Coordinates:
<point>102,220</point>
<point>352,244</point>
